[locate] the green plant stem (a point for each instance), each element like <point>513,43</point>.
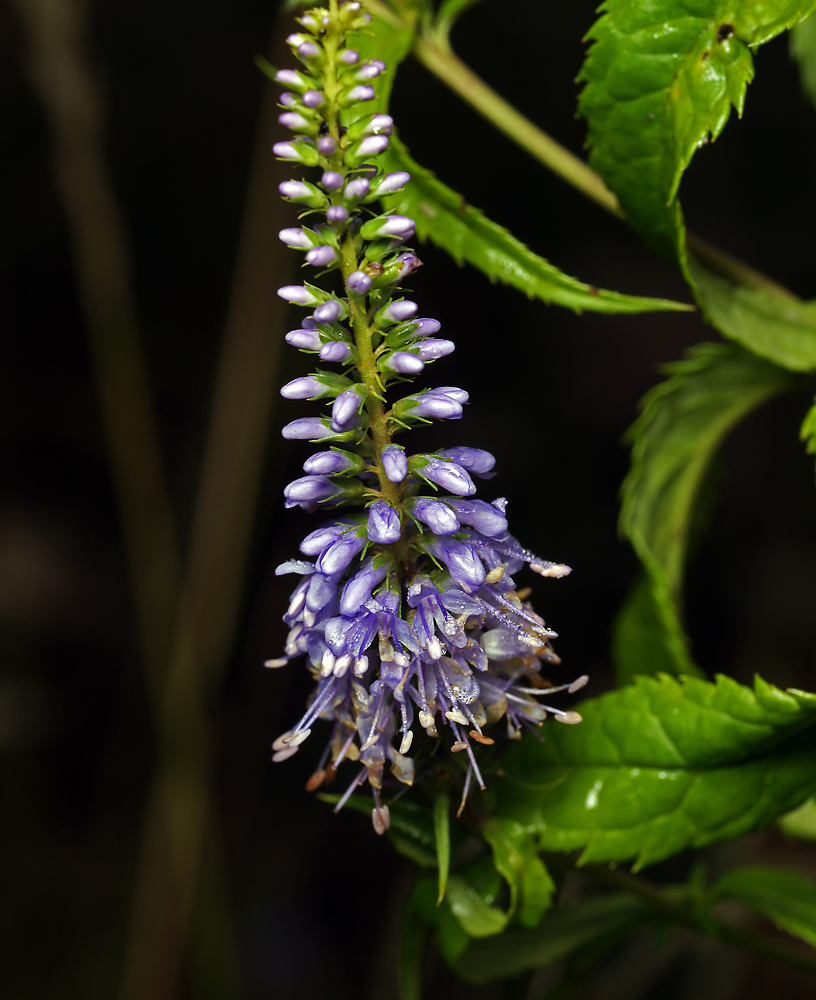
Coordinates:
<point>434,52</point>
<point>684,913</point>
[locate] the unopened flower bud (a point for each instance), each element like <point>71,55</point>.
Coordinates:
<point>323,257</point>
<point>299,151</point>
<point>431,349</point>
<point>306,340</point>
<point>383,526</point>
<point>402,363</point>
<point>395,463</point>
<point>331,180</point>
<point>337,351</point>
<point>358,283</point>
<point>295,238</point>
<point>298,295</point>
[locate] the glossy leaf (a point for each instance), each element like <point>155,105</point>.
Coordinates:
<point>516,858</point>
<point>561,933</point>
<point>803,50</point>
<point>682,423</point>
<point>779,328</point>
<point>442,836</point>
<point>661,79</point>
<point>662,765</point>
<point>786,898</point>
<point>639,638</point>
<point>391,42</point>
<point>445,218</point>
<point>449,13</point>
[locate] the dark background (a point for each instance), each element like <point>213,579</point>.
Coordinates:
<point>295,901</point>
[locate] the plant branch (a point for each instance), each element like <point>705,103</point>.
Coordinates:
<point>687,914</point>
<point>435,54</point>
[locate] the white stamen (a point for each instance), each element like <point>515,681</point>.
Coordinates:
<point>495,574</point>
<point>327,663</point>
<point>297,738</point>
<point>435,648</point>
<point>556,570</point>
<point>456,716</point>
<point>297,604</point>
<point>381,819</point>
<point>282,741</point>
<point>577,684</point>
<point>571,718</point>
<point>281,661</point>
<point>342,665</point>
<point>284,754</point>
<point>407,740</point>
<point>361,666</point>
<point>309,618</point>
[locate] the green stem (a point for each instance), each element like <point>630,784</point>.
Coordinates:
<point>685,913</point>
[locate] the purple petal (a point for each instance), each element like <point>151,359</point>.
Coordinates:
<point>395,463</point>
<point>331,180</point>
<point>475,460</point>
<point>305,387</point>
<point>346,411</point>
<point>332,463</point>
<point>339,554</point>
<point>437,515</point>
<point>298,295</point>
<point>432,350</point>
<point>448,475</point>
<point>358,590</point>
<point>309,488</point>
<point>383,524</point>
<point>463,564</point>
<point>402,362</point>
<point>359,283</point>
<point>337,351</point>
<point>306,340</point>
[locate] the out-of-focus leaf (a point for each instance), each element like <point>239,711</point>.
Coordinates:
<point>449,13</point>
<point>800,823</point>
<point>445,218</point>
<point>639,644</point>
<point>682,423</point>
<point>476,917</point>
<point>661,79</point>
<point>808,431</point>
<point>803,50</point>
<point>786,898</point>
<point>662,765</point>
<point>779,328</point>
<point>412,938</point>
<point>516,858</point>
<point>442,837</point>
<point>561,933</point>
<point>384,40</point>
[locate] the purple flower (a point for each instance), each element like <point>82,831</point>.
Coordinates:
<point>397,226</point>
<point>484,517</point>
<point>337,351</point>
<point>307,429</point>
<point>475,460</point>
<point>306,340</point>
<point>425,327</point>
<point>331,180</point>
<point>383,524</point>
<point>306,387</point>
<point>309,488</point>
<point>463,564</point>
<point>338,555</point>
<point>346,410</point>
<point>295,238</point>
<point>298,295</point>
<point>432,350</point>
<point>332,463</point>
<point>329,312</point>
<point>337,215</point>
<point>358,590</point>
<point>397,312</point>
<point>359,283</point>
<point>438,516</point>
<point>402,362</point>
<point>322,257</point>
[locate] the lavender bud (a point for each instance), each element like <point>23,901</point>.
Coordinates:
<point>316,541</point>
<point>306,387</point>
<point>377,125</point>
<point>295,79</point>
<point>397,312</point>
<point>391,183</point>
<point>356,189</point>
<point>307,429</point>
<point>358,590</point>
<point>300,151</point>
<point>437,515</point>
<point>346,410</point>
<point>448,475</point>
<point>289,101</point>
<point>428,406</point>
<point>398,226</point>
<point>296,122</point>
<point>463,564</point>
<point>308,50</point>
<point>329,312</point>
<point>337,215</point>
<point>309,488</point>
<point>313,99</point>
<point>383,525</point>
<point>339,554</point>
<point>431,350</point>
<point>451,392</point>
<point>480,515</point>
<point>326,145</point>
<point>331,180</point>
<point>475,460</point>
<point>349,57</point>
<point>358,283</point>
<point>368,146</point>
<point>332,463</point>
<point>298,295</point>
<point>426,327</point>
<point>324,256</point>
<point>305,194</point>
<point>369,70</point>
<point>356,94</point>
<point>394,462</point>
<point>295,238</point>
<point>296,39</point>
<point>306,340</point>
<point>402,363</point>
<point>337,351</point>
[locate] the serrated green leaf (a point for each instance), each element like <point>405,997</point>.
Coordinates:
<point>786,898</point>
<point>445,218</point>
<point>662,765</point>
<point>391,42</point>
<point>516,858</point>
<point>779,328</point>
<point>803,50</point>
<point>682,423</point>
<point>561,933</point>
<point>442,837</point>
<point>661,79</point>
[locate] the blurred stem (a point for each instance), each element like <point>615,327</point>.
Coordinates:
<point>433,50</point>
<point>683,912</point>
<point>73,106</point>
<point>180,800</point>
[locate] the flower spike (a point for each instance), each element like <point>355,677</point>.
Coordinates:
<point>408,615</point>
